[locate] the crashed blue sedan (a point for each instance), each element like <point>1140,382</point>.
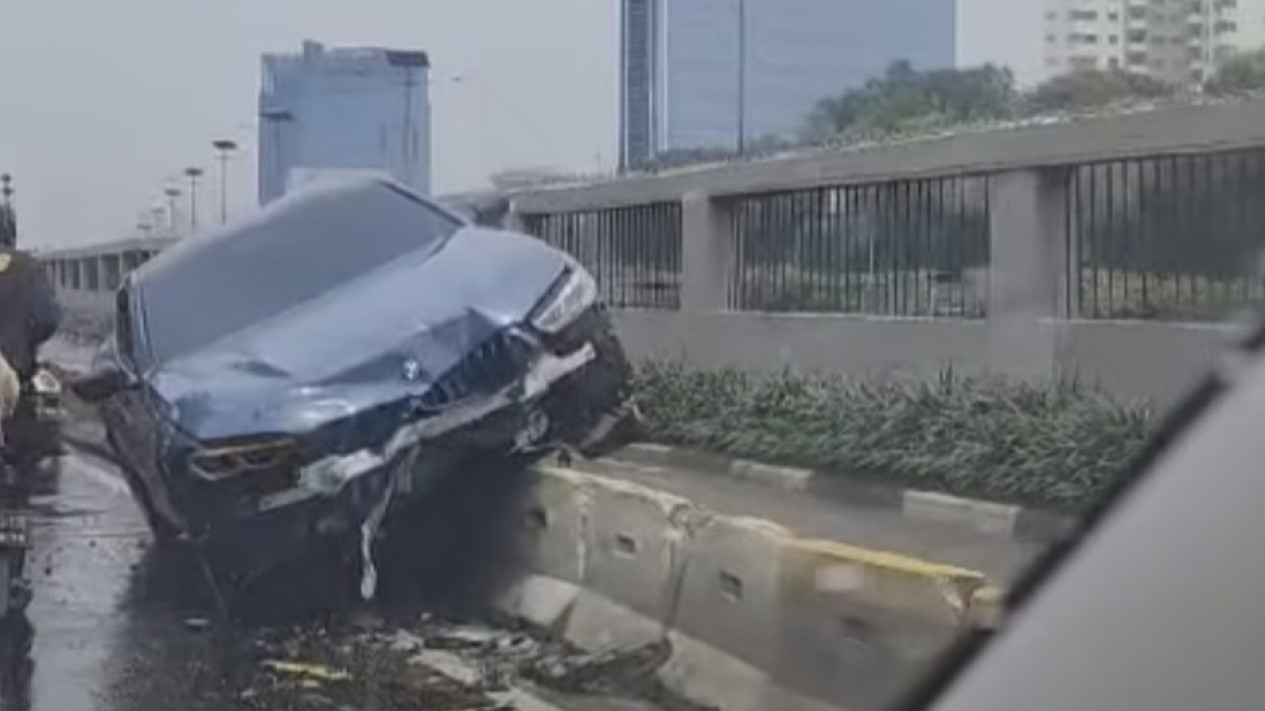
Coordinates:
<point>287,379</point>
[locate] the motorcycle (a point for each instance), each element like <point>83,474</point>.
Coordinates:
<point>15,588</point>
<point>40,423</point>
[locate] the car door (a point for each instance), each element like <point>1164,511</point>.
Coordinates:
<point>132,422</point>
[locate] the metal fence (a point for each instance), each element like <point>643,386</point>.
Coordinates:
<point>904,248</point>
<point>634,252</point>
<point>1169,238</point>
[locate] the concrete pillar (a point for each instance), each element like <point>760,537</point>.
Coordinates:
<point>707,253</point>
<point>95,270</point>
<point>112,271</point>
<point>514,218</point>
<point>1028,247</point>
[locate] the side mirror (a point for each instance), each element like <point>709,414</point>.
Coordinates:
<point>106,382</point>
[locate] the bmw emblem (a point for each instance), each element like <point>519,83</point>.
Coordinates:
<point>412,370</point>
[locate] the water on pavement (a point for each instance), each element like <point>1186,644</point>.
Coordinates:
<point>116,625</point>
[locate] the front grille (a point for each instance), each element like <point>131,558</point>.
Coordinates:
<point>491,366</point>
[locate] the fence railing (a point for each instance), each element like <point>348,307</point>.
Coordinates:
<point>1174,237</point>
<point>901,248</point>
<point>634,252</point>
<point>1153,215</point>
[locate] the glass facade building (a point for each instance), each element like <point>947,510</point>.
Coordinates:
<point>345,109</point>
<point>694,73</point>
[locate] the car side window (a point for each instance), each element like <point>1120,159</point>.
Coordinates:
<point>124,329</point>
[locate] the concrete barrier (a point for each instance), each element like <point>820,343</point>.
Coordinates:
<point>554,525</point>
<point>756,618</point>
<point>985,608</point>
<point>727,617</point>
<point>858,625</point>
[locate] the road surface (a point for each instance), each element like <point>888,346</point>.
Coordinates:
<point>117,626</point>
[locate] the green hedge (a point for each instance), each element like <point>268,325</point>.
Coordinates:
<point>1054,445</point>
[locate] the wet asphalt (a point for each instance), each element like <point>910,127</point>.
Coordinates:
<point>115,625</point>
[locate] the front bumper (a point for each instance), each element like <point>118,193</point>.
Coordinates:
<point>576,393</point>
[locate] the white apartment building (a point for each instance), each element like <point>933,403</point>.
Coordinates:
<point>1182,41</point>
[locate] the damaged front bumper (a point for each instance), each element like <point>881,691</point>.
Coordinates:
<point>570,395</point>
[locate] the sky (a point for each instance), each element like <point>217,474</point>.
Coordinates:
<point>1005,32</point>
<point>106,101</point>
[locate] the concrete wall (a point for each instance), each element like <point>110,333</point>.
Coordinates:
<point>1139,359</point>
<point>1132,360</point>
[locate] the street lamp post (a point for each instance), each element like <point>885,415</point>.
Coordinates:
<point>225,147</point>
<point>193,173</point>
<point>172,193</point>
<point>8,221</point>
<point>742,76</point>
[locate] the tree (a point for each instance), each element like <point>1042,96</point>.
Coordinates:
<point>1242,73</point>
<point>904,95</point>
<point>1092,88</point>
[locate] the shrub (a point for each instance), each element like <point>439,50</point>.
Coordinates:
<point>1054,445</point>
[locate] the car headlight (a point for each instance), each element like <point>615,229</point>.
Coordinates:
<point>575,294</point>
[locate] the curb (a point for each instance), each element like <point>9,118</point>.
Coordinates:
<point>1019,523</point>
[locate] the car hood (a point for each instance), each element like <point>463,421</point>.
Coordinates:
<point>348,350</point>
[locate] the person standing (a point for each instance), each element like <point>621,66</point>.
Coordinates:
<point>29,316</point>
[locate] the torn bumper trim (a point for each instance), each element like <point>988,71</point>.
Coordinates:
<point>328,476</point>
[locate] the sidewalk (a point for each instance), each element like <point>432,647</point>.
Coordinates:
<point>998,556</point>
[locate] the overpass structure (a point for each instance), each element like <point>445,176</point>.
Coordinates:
<point>100,268</point>
<point>1108,248</point>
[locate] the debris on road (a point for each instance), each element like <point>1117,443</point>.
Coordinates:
<point>440,665</point>
<point>314,671</point>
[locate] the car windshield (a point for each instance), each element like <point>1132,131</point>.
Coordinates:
<point>205,289</point>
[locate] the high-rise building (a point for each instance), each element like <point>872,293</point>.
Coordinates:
<point>346,109</point>
<point>702,73</point>
<point>1181,41</point>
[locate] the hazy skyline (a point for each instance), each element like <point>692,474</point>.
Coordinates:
<point>105,102</point>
